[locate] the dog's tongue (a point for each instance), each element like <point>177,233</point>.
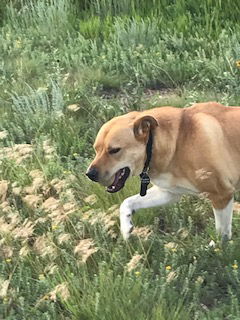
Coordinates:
<point>114,186</point>
<point>119,180</point>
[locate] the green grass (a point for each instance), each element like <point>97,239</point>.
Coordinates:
<point>107,58</point>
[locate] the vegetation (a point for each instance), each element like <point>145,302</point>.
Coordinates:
<point>67,67</point>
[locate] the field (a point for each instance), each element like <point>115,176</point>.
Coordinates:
<point>65,68</point>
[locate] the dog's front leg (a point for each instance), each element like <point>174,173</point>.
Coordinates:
<point>223,220</point>
<point>154,197</point>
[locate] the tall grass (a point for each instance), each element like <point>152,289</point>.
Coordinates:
<point>41,15</point>
<point>209,12</point>
<point>115,52</point>
<point>66,68</point>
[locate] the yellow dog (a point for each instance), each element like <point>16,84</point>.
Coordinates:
<point>194,150</point>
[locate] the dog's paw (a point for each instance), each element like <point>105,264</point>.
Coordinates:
<point>126,229</point>
<point>125,219</point>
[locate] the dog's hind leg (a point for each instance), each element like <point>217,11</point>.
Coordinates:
<point>223,220</point>
<point>154,197</point>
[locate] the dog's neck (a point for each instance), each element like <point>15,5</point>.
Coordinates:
<point>165,138</point>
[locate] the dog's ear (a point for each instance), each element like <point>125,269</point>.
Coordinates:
<point>142,126</point>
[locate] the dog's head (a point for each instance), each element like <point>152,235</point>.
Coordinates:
<point>120,149</point>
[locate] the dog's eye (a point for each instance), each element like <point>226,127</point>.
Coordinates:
<point>114,150</point>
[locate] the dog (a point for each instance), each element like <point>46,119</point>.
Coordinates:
<point>193,150</point>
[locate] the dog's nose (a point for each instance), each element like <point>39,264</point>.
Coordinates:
<point>92,174</point>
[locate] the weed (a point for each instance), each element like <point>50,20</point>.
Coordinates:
<point>66,67</point>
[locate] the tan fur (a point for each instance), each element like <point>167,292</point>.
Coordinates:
<point>196,148</point>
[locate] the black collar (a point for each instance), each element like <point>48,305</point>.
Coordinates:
<point>145,180</point>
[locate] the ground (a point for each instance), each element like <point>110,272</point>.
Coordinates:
<point>66,68</point>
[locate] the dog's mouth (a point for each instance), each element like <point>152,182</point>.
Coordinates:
<point>119,180</point>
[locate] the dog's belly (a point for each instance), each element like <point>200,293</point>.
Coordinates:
<point>175,185</point>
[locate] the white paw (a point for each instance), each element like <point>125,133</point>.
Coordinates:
<point>126,229</point>
<point>126,225</point>
<point>227,236</point>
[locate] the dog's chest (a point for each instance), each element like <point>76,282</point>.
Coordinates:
<point>168,182</point>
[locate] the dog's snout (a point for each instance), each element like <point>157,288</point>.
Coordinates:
<point>92,174</point>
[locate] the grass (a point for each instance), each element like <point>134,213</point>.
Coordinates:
<point>66,68</point>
